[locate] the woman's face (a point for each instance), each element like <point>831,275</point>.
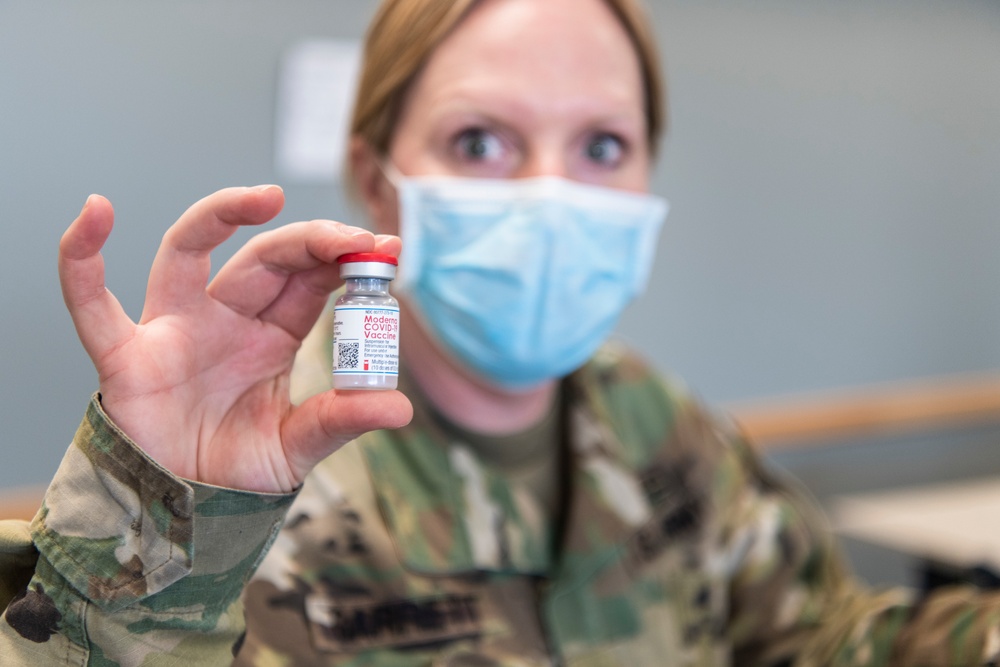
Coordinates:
<point>527,88</point>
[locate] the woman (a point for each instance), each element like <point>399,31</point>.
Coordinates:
<point>551,501</point>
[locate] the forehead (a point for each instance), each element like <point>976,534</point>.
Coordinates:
<point>533,53</point>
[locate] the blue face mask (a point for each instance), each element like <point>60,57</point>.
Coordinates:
<point>523,279</point>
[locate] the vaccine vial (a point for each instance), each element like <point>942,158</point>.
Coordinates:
<point>366,324</point>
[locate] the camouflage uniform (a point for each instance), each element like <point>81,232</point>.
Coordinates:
<point>675,548</point>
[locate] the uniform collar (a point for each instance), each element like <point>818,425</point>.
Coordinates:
<point>449,513</point>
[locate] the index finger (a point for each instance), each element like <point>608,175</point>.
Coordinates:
<point>182,266</point>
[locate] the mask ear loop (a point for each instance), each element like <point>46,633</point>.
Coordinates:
<point>407,203</point>
<point>391,172</point>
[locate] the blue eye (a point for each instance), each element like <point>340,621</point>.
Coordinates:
<point>478,145</point>
<point>605,149</point>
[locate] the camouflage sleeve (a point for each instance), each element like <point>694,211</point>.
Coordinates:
<point>794,603</point>
<point>134,565</point>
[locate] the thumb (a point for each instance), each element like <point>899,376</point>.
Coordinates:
<point>326,422</point>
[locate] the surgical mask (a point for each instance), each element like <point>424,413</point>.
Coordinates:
<point>523,279</point>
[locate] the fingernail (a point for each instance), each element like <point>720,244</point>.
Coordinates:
<point>90,198</point>
<point>356,231</point>
<point>265,188</point>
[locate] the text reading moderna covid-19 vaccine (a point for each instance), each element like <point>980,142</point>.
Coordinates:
<point>366,324</point>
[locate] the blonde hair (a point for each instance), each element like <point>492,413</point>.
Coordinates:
<point>404,34</point>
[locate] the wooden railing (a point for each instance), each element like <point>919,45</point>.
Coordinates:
<point>20,502</point>
<point>798,421</point>
<point>884,409</point>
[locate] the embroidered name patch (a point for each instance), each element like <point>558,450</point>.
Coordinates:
<point>341,628</point>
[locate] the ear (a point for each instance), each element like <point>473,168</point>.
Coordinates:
<point>373,188</point>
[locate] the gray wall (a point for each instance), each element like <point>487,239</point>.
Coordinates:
<point>833,169</point>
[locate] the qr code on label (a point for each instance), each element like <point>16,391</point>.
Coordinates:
<point>347,355</point>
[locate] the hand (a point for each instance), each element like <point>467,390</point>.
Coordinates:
<point>201,382</point>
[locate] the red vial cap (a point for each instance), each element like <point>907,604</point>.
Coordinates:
<point>382,258</point>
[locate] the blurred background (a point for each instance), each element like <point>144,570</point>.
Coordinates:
<point>833,169</point>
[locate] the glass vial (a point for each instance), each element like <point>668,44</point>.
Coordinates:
<point>366,324</point>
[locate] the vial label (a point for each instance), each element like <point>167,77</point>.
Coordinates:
<point>366,341</point>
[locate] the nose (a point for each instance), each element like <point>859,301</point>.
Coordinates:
<point>543,161</point>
